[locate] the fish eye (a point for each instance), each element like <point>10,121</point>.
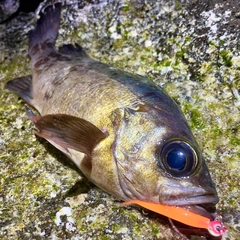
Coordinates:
<point>178,158</point>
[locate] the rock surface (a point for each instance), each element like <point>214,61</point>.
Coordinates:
<point>191,48</point>
<point>7,8</point>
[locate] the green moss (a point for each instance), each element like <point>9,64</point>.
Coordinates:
<point>235,141</point>
<point>20,64</point>
<point>118,43</point>
<point>197,120</point>
<point>232,201</point>
<point>180,53</point>
<point>122,210</point>
<point>164,63</point>
<point>226,58</point>
<point>82,228</point>
<point>132,217</point>
<point>126,8</point>
<point>82,214</point>
<point>137,229</point>
<point>205,70</point>
<point>36,204</point>
<point>154,228</point>
<point>178,5</point>
<point>217,131</point>
<point>55,187</point>
<point>115,227</point>
<point>103,225</point>
<point>98,224</point>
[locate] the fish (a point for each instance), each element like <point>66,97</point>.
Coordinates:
<point>122,130</point>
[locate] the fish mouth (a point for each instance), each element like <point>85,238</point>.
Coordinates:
<point>201,205</point>
<point>197,200</point>
<point>205,197</point>
<point>203,202</point>
<point>204,209</point>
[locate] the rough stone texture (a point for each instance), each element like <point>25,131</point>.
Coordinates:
<point>191,48</point>
<point>7,8</point>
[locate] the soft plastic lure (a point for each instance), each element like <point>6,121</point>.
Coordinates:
<point>215,227</point>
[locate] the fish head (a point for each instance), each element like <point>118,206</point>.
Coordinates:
<point>158,159</point>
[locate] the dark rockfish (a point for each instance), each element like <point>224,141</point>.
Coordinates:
<point>121,130</point>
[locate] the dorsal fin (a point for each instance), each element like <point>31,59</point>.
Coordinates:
<point>46,30</point>
<point>69,49</point>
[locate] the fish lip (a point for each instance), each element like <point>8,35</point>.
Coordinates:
<point>187,195</point>
<point>196,200</point>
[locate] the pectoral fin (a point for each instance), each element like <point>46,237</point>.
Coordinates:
<point>68,131</point>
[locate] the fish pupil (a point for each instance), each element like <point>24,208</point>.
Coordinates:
<point>176,159</point>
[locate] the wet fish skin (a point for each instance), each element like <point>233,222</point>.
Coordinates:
<point>112,124</point>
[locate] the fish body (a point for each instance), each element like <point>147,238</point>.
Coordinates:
<point>121,130</point>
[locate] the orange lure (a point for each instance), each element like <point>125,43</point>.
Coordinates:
<point>215,227</point>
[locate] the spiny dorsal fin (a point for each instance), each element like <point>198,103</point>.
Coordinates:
<point>22,86</point>
<point>68,131</point>
<point>69,49</point>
